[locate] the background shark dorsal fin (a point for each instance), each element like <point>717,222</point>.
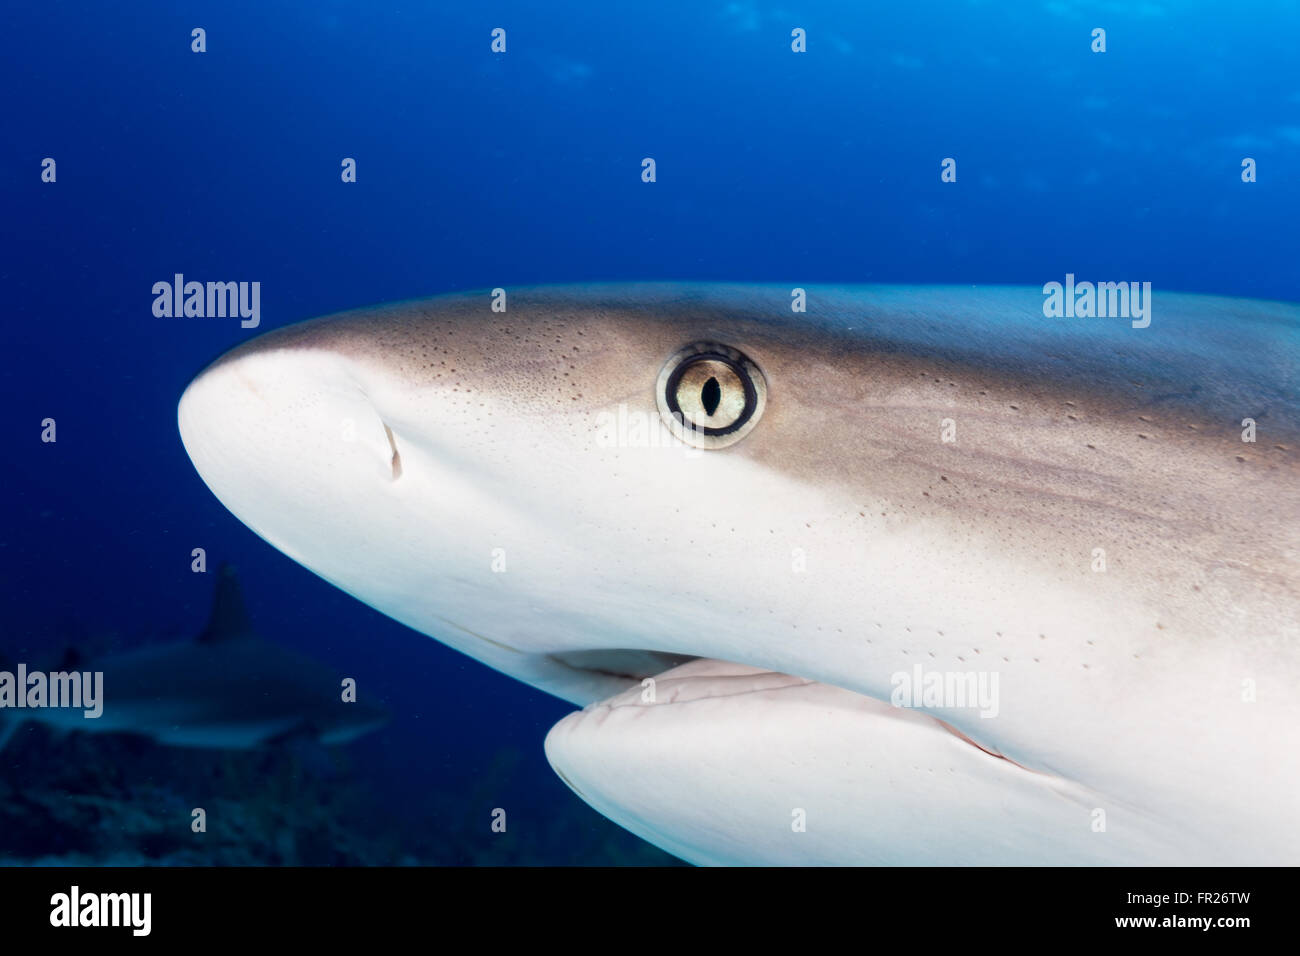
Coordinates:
<point>72,659</point>
<point>229,619</point>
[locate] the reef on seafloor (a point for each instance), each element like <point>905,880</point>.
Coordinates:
<point>112,800</point>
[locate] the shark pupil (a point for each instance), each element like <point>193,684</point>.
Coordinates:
<point>711,395</point>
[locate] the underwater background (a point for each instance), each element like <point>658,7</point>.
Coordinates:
<point>478,169</point>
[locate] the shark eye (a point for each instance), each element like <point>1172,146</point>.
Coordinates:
<point>710,395</point>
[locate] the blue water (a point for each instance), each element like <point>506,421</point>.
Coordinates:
<point>479,170</point>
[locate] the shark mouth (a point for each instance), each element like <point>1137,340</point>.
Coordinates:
<point>714,761</point>
<point>641,669</point>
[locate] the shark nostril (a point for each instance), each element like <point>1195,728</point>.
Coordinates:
<point>397,458</point>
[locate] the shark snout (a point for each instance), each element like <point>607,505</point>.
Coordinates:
<point>280,432</point>
<point>359,474</point>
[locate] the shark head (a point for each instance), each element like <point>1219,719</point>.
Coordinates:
<point>509,482</point>
<point>897,491</point>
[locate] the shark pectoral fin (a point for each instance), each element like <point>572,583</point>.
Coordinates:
<point>719,763</point>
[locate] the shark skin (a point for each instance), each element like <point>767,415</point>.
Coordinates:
<point>227,689</point>
<point>940,477</point>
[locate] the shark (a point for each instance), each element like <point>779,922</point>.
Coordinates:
<point>842,575</point>
<point>226,689</point>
